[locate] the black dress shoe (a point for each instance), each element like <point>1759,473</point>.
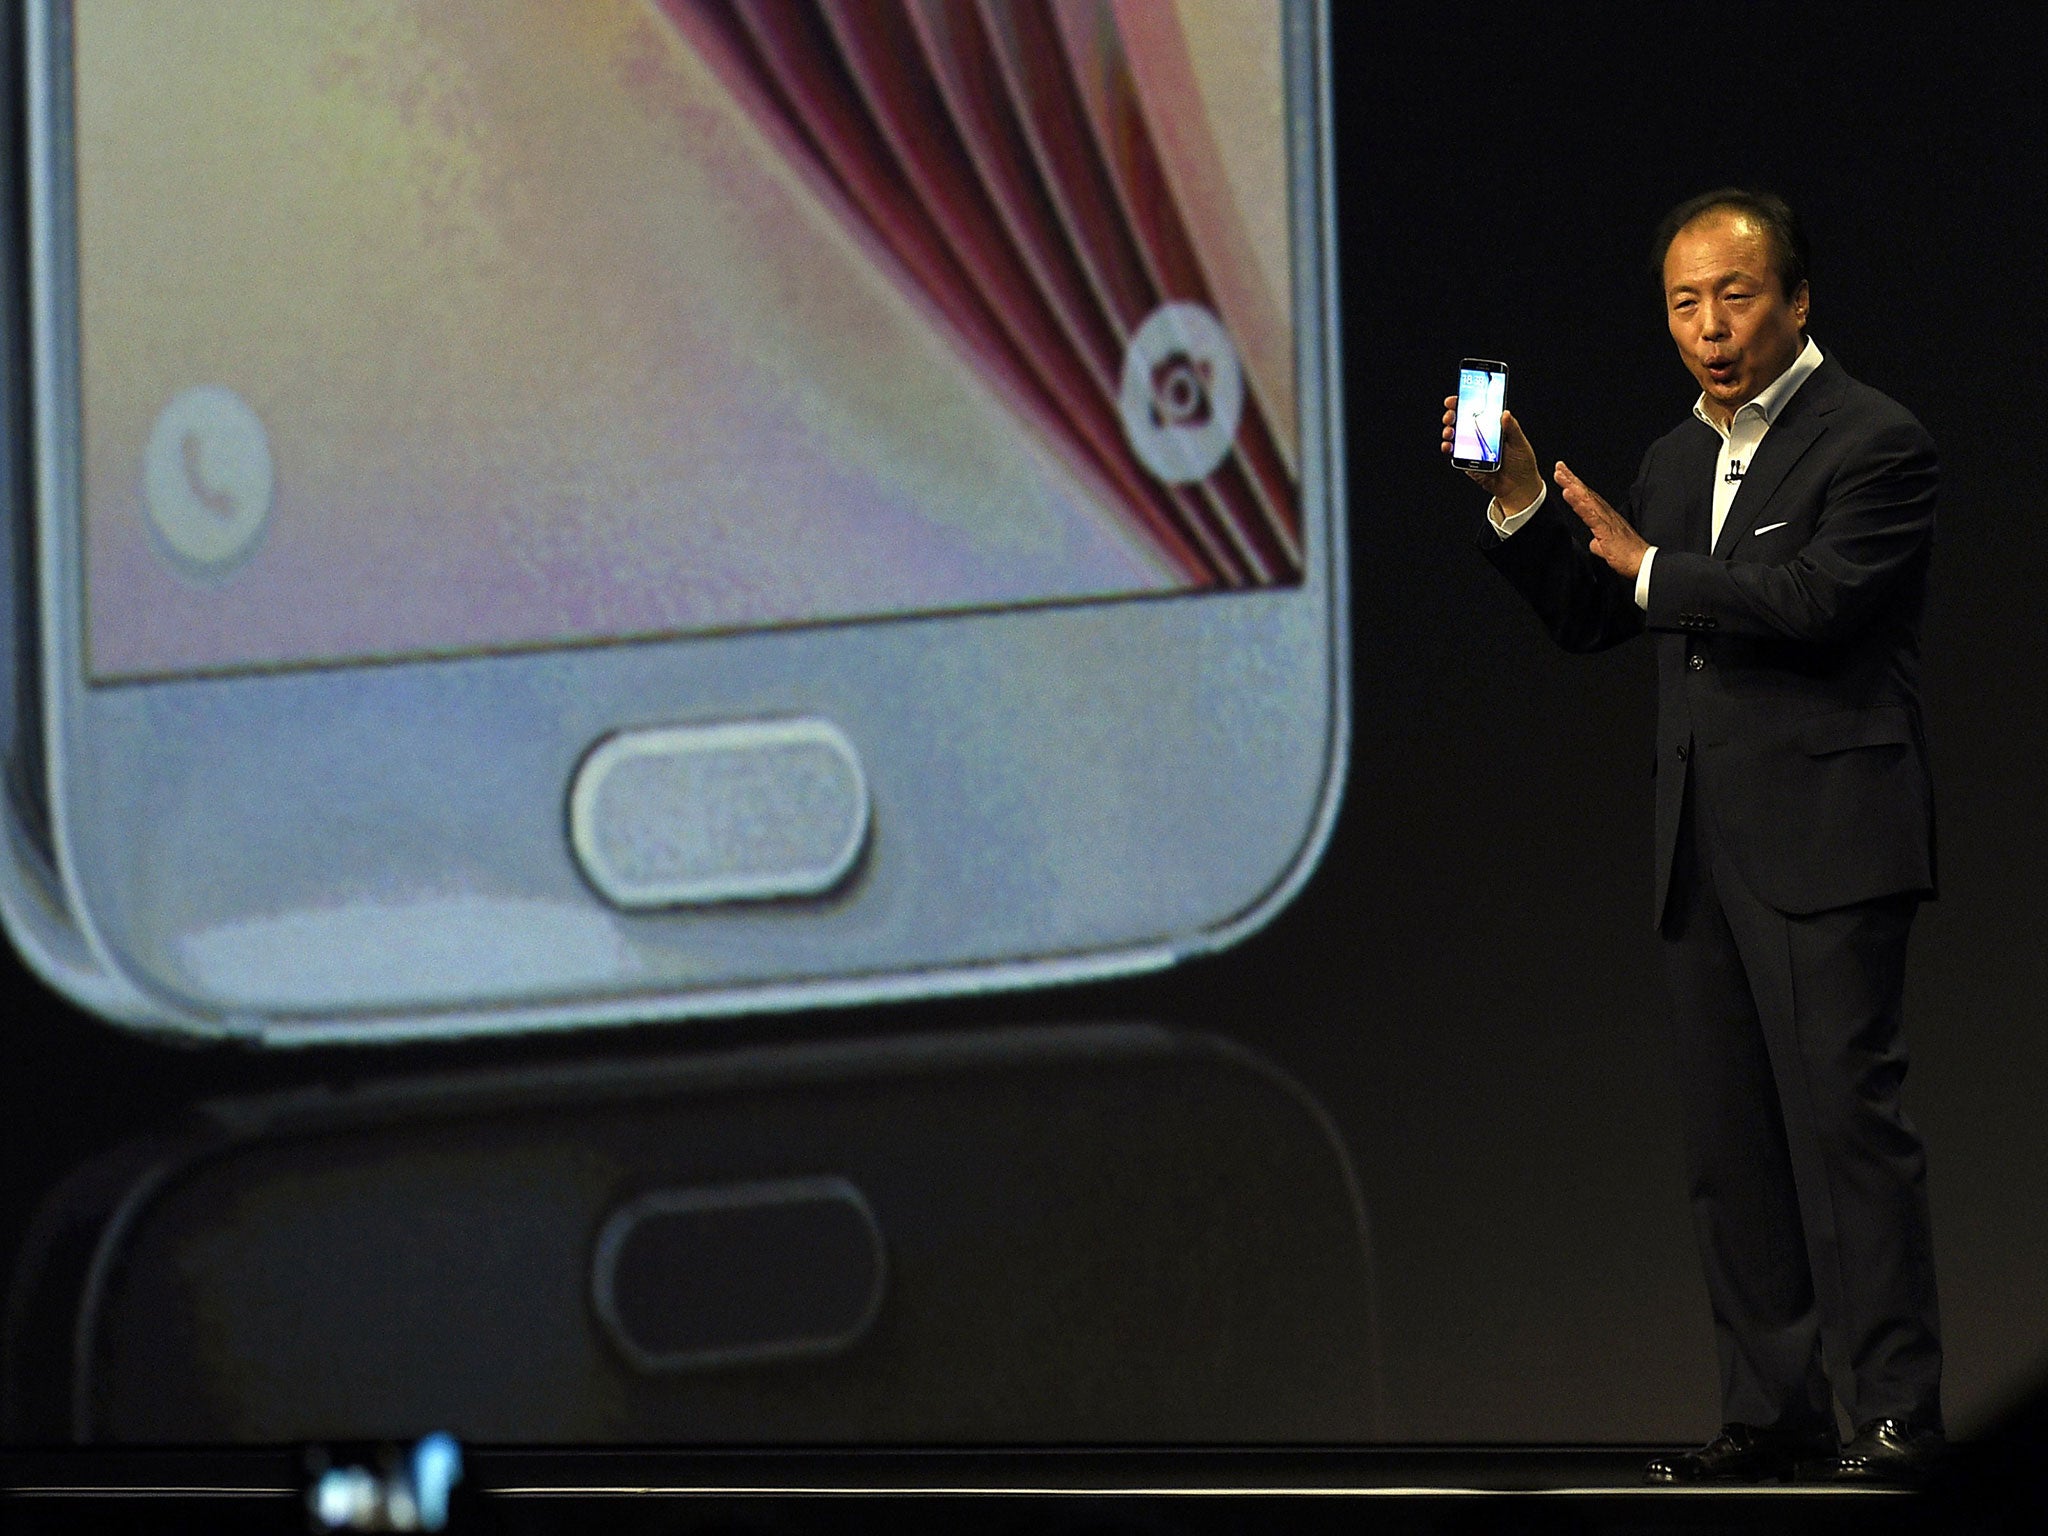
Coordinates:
<point>1741,1454</point>
<point>1888,1451</point>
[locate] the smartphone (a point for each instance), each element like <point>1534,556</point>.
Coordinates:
<point>1482,391</point>
<point>536,515</point>
<point>906,1240</point>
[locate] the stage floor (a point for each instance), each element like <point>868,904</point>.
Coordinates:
<point>1071,1491</point>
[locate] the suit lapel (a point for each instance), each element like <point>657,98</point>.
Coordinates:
<point>1698,480</point>
<point>1803,420</point>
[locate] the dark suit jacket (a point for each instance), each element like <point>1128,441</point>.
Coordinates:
<point>1788,658</point>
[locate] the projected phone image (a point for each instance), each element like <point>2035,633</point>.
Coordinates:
<point>1482,392</point>
<point>534,515</point>
<point>1100,1232</point>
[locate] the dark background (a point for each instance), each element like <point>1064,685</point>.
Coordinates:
<point>1470,982</point>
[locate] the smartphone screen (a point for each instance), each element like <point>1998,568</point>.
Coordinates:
<point>1482,388</point>
<point>420,330</point>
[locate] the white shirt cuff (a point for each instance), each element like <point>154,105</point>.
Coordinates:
<point>1504,526</point>
<point>1643,579</point>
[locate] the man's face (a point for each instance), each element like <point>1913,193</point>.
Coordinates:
<point>1735,326</point>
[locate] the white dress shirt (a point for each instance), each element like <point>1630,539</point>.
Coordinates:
<point>1739,441</point>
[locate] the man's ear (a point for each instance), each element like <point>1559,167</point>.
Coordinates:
<point>1800,299</point>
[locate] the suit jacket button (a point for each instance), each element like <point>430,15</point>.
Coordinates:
<point>1682,751</point>
<point>1695,661</point>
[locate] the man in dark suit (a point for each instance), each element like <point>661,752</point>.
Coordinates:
<point>1775,546</point>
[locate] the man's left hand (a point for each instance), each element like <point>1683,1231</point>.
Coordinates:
<point>1613,539</point>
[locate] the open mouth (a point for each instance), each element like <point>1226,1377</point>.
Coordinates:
<point>1721,370</point>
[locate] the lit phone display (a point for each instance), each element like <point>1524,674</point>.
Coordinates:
<point>489,324</point>
<point>1480,395</point>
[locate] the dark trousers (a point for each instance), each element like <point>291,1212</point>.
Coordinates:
<point>1808,1182</point>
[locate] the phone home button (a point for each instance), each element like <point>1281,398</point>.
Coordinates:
<point>745,810</point>
<point>740,1274</point>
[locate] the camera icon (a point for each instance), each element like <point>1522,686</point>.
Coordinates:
<point>1182,394</point>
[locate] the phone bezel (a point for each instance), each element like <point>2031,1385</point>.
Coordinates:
<point>1116,848</point>
<point>1490,366</point>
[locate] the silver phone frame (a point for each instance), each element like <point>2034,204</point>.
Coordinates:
<point>1244,650</point>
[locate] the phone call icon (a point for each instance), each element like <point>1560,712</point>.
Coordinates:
<point>207,478</point>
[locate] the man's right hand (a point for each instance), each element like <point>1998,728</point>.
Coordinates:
<point>1517,483</point>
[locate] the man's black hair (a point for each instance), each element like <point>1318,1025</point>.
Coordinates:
<point>1773,213</point>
